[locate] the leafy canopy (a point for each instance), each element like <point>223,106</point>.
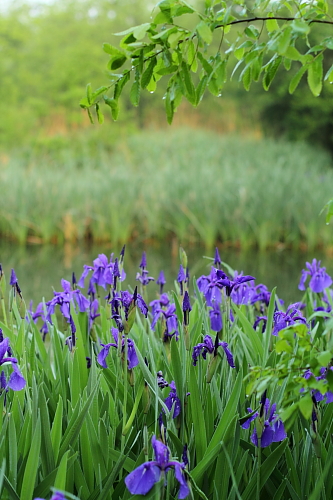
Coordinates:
<point>197,48</point>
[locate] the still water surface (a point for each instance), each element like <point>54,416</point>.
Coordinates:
<point>40,268</point>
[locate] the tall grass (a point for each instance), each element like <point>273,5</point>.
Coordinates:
<point>189,184</point>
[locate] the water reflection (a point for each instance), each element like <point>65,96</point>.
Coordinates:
<point>40,268</point>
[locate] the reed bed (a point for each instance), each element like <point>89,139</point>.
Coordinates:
<point>186,184</point>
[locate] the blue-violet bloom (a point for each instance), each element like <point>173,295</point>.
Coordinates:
<point>319,279</point>
<point>143,478</point>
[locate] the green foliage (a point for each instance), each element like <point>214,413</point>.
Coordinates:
<point>195,52</point>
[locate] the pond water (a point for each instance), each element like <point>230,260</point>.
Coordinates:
<point>40,268</point>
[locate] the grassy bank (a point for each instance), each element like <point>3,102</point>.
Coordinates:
<point>185,184</point>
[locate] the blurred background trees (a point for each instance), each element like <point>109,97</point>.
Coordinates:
<point>49,53</point>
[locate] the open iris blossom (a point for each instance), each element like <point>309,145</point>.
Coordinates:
<point>229,285</point>
<point>208,346</point>
<point>169,321</point>
<point>319,279</point>
<point>273,430</point>
<point>132,358</point>
<point>16,381</point>
<point>173,400</point>
<point>103,272</point>
<point>142,479</point>
<point>282,319</point>
<point>64,299</point>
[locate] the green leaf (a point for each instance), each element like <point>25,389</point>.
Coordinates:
<point>252,32</point>
<point>324,358</point>
<point>247,78</point>
<point>135,90</point>
<point>306,405</point>
<point>99,114</point>
<point>116,62</point>
<point>300,26</point>
<point>270,72</point>
<point>272,25</point>
<point>315,75</point>
<point>148,73</point>
<point>31,468</point>
<point>186,76</point>
<point>120,85</point>
<point>111,50</point>
<point>284,40</point>
<point>89,93</point>
<point>200,90</point>
<point>140,31</point>
<point>169,107</point>
<point>293,54</point>
<point>204,32</point>
<point>114,105</point>
<point>296,79</point>
<point>199,426</point>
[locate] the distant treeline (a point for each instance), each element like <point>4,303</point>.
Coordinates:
<point>50,53</point>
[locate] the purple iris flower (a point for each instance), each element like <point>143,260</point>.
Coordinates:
<point>210,287</point>
<point>56,496</point>
<point>317,395</point>
<point>171,321</point>
<point>127,299</point>
<point>104,272</point>
<point>258,320</point>
<point>217,259</point>
<point>132,358</point>
<point>186,308</point>
<point>207,346</point>
<point>215,318</point>
<point>282,319</point>
<point>181,278</point>
<point>173,399</point>
<point>163,301</point>
<point>13,278</point>
<point>64,299</point>
<point>319,279</point>
<point>161,281</point>
<point>93,312</point>
<point>143,478</point>
<point>228,284</point>
<point>143,276</point>
<point>243,294</point>
<point>16,381</point>
<point>273,431</point>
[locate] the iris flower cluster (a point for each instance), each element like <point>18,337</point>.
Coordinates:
<point>104,272</point>
<point>141,480</point>
<point>317,395</point>
<point>292,315</point>
<point>319,279</point>
<point>272,430</point>
<point>132,358</point>
<point>208,347</point>
<point>162,308</point>
<point>212,285</point>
